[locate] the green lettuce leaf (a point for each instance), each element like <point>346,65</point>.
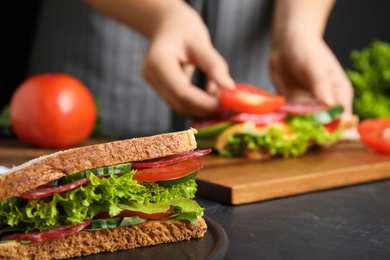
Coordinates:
<point>304,132</point>
<point>131,221</point>
<point>85,202</point>
<point>370,78</point>
<point>185,209</point>
<point>99,224</point>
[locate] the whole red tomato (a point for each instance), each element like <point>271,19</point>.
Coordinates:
<point>52,110</point>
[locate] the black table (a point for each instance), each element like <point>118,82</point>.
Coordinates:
<point>345,223</point>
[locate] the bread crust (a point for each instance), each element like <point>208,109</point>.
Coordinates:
<point>47,168</point>
<point>84,243</point>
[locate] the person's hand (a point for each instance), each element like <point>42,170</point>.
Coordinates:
<point>180,43</point>
<point>304,68</point>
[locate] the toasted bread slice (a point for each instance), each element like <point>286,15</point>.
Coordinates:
<point>84,243</point>
<point>350,132</point>
<point>47,168</point>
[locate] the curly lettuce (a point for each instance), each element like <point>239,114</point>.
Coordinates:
<point>371,80</point>
<point>84,202</point>
<point>302,133</point>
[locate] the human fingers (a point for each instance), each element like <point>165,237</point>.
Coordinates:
<point>286,82</point>
<point>207,58</point>
<point>213,89</point>
<point>335,89</point>
<point>323,91</point>
<point>168,77</point>
<point>189,70</point>
<point>332,86</point>
<point>343,92</point>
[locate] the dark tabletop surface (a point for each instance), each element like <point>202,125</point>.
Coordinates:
<point>346,223</point>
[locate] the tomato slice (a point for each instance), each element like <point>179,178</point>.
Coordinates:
<point>169,172</point>
<point>333,126</point>
<point>168,160</point>
<point>48,190</point>
<point>130,213</point>
<point>246,98</point>
<point>259,119</point>
<point>51,233</point>
<point>375,133</point>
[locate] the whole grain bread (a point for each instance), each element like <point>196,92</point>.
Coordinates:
<point>84,243</point>
<point>47,168</point>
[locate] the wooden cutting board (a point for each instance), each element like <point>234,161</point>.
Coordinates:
<point>240,181</point>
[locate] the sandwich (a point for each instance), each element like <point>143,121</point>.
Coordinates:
<point>259,125</point>
<point>102,198</point>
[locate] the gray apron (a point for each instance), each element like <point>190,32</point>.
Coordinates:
<point>107,57</point>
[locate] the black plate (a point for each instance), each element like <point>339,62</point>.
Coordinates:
<point>212,246</point>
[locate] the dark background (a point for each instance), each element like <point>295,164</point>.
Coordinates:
<point>352,25</point>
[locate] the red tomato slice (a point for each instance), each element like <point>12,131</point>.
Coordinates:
<point>168,160</point>
<point>169,172</point>
<point>246,98</point>
<point>56,232</point>
<point>303,108</point>
<point>259,119</point>
<point>46,190</point>
<point>375,133</point>
<point>130,213</point>
<point>333,126</point>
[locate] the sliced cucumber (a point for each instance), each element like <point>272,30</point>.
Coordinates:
<point>98,224</point>
<point>186,178</point>
<point>326,116</point>
<point>212,131</point>
<point>112,223</point>
<point>11,230</point>
<point>7,241</point>
<point>205,143</point>
<point>106,170</point>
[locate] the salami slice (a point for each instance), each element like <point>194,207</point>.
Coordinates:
<point>303,108</point>
<point>200,123</point>
<point>48,190</point>
<point>259,119</point>
<point>168,160</point>
<point>56,232</point>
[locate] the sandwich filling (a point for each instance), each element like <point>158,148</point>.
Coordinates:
<point>289,131</point>
<point>105,198</point>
